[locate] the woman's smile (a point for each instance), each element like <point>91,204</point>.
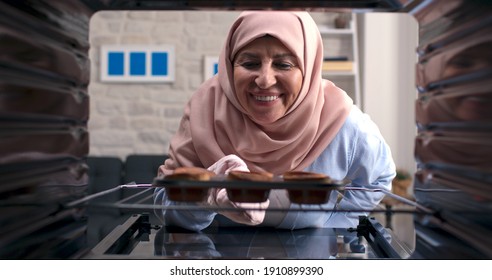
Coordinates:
<point>266,98</point>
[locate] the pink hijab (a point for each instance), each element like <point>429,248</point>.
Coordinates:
<point>215,124</point>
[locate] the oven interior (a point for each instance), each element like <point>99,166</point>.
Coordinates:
<point>44,142</point>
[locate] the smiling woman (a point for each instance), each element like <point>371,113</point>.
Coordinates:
<point>269,109</point>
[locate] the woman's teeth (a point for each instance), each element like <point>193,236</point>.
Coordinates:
<point>266,98</point>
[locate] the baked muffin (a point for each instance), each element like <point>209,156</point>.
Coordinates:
<point>253,193</point>
<point>307,194</point>
<point>191,193</point>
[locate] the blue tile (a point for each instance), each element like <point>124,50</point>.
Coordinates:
<point>116,63</point>
<point>137,64</point>
<point>159,64</point>
<point>216,68</point>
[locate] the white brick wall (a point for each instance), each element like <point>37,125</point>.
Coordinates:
<point>141,118</point>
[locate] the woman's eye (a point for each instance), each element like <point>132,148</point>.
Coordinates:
<point>250,65</point>
<point>283,65</point>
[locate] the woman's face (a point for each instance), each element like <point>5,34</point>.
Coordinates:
<point>267,79</point>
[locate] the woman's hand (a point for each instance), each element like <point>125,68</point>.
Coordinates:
<point>244,213</point>
<point>227,164</point>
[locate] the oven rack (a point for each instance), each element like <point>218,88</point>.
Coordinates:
<point>145,193</point>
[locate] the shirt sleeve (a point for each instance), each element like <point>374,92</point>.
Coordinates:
<point>192,218</point>
<point>370,168</point>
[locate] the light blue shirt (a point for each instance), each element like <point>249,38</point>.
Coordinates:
<point>357,153</point>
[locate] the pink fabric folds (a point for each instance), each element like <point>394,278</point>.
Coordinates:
<point>215,125</point>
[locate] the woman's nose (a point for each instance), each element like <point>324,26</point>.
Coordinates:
<point>266,78</point>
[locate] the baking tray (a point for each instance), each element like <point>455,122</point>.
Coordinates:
<point>302,192</point>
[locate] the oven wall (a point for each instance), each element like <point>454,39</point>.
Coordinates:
<point>453,147</point>
<point>44,109</point>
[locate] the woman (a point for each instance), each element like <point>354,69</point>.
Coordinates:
<point>269,109</point>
